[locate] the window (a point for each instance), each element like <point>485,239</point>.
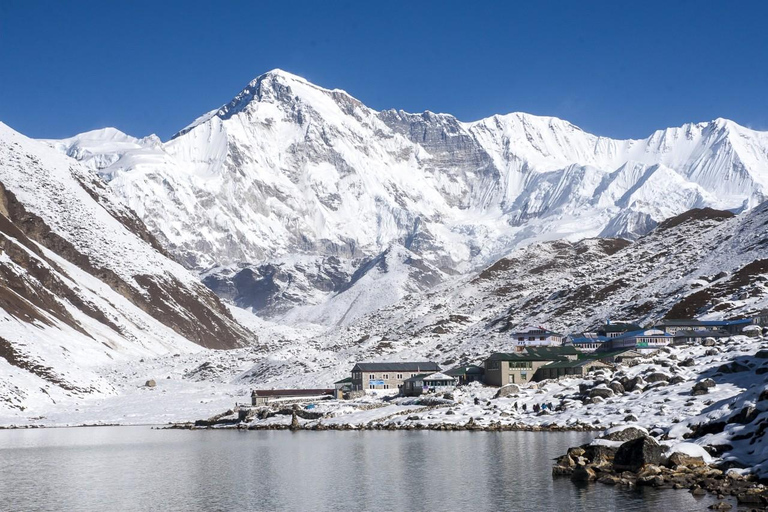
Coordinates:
<point>531,338</point>
<point>385,376</point>
<point>371,377</point>
<point>371,386</point>
<point>399,376</point>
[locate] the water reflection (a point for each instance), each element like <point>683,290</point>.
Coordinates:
<point>135,468</point>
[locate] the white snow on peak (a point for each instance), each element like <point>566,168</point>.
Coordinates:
<point>291,168</point>
<point>101,148</point>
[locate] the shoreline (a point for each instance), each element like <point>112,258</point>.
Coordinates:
<point>438,427</point>
<point>83,425</point>
<point>631,458</point>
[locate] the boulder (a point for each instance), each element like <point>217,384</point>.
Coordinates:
<point>657,377</point>
<point>708,342</point>
<point>625,434</point>
<point>702,387</point>
<point>616,387</point>
<point>733,367</point>
<point>561,470</point>
<point>750,496</point>
<point>688,362</point>
<point>649,470</point>
<point>150,383</point>
<point>681,459</point>
<point>762,354</point>
<point>677,379</point>
<point>599,455</point>
<point>509,389</point>
<point>744,416</point>
<point>602,392</point>
<point>634,383</point>
<point>583,474</point>
<point>634,454</point>
<point>630,418</point>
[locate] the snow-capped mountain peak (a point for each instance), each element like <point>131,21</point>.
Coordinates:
<point>290,168</point>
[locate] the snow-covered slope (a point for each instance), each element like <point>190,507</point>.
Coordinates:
<point>83,283</point>
<point>288,169</point>
<point>703,263</point>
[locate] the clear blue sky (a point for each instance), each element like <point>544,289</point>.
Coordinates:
<point>615,68</point>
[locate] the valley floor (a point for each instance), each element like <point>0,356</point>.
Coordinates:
<point>656,395</point>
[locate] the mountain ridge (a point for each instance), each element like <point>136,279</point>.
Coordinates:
<point>282,168</point>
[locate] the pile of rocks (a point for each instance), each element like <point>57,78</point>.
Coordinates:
<point>630,457</point>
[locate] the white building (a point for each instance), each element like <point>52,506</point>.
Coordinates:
<point>536,337</point>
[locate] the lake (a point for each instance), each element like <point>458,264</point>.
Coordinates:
<point>138,468</point>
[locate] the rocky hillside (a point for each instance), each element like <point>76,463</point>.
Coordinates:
<point>84,283</point>
<point>704,263</point>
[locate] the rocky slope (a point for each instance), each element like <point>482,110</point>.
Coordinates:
<point>84,283</point>
<point>290,181</point>
<point>704,263</point>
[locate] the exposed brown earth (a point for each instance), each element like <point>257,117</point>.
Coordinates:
<point>195,314</point>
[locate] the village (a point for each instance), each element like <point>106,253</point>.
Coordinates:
<point>536,354</point>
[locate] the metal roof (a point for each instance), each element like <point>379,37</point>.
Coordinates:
<point>536,331</point>
<point>520,356</point>
<point>430,376</point>
<point>465,370</point>
<point>422,366</point>
<point>619,327</point>
<point>685,333</point>
<point>706,323</point>
<point>565,350</point>
<point>589,339</point>
<point>291,392</point>
<point>573,364</point>
<point>642,333</point>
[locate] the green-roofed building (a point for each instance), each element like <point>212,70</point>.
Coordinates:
<point>566,351</point>
<point>612,330</point>
<point>502,368</point>
<point>467,373</point>
<point>577,368</point>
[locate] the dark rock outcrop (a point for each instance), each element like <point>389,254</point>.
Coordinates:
<point>634,454</point>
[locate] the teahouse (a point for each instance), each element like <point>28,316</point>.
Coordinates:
<point>428,383</point>
<point>466,374</point>
<point>388,375</point>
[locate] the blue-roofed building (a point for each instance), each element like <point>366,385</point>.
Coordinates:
<point>586,342</point>
<point>646,340</point>
<point>672,326</point>
<point>698,336</point>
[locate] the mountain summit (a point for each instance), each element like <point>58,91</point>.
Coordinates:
<point>313,184</point>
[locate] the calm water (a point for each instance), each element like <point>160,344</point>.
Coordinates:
<point>136,468</point>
